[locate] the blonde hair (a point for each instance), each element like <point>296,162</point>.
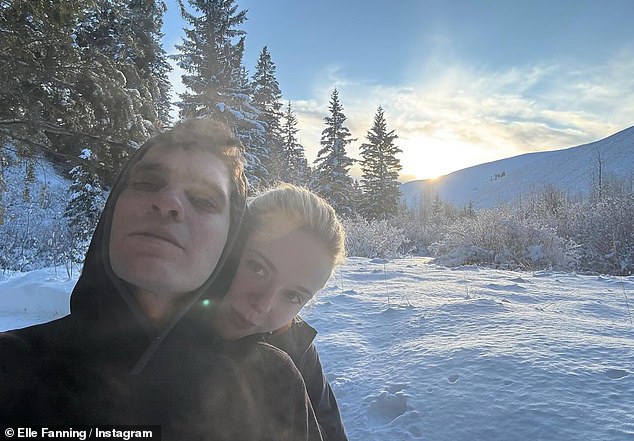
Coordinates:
<point>304,210</point>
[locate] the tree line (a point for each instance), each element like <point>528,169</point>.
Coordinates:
<point>84,83</point>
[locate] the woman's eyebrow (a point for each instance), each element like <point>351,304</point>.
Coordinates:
<point>264,258</point>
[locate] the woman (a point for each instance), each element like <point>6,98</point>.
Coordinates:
<point>292,242</point>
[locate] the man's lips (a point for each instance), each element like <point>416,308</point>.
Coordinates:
<point>165,236</point>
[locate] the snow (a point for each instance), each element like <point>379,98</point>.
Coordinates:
<point>417,351</point>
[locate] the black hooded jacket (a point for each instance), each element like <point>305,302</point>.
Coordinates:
<point>106,364</point>
<point>297,342</point>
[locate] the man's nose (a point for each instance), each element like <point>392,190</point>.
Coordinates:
<point>169,202</point>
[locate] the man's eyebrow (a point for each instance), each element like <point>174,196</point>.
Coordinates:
<point>213,186</point>
<point>147,166</point>
<point>141,167</point>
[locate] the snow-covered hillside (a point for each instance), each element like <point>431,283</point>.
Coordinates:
<point>572,170</point>
<point>417,351</point>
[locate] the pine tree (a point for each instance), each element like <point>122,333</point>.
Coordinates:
<point>333,164</point>
<point>38,69</point>
<point>125,73</point>
<point>82,73</point>
<point>267,99</point>
<point>294,166</point>
<point>85,204</point>
<point>380,168</point>
<point>217,82</point>
<point>211,54</point>
<point>250,131</point>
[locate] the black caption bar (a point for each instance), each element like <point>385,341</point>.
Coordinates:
<point>82,433</point>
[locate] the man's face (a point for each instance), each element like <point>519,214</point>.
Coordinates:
<point>171,221</point>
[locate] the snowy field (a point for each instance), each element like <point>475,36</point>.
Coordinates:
<point>416,351</point>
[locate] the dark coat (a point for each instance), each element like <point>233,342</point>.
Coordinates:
<point>105,363</point>
<point>297,341</point>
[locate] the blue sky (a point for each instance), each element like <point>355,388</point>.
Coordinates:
<point>461,82</point>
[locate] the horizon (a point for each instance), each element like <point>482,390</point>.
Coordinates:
<point>462,83</point>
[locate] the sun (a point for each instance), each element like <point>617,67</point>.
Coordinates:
<point>430,158</point>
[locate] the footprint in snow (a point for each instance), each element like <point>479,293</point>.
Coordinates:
<point>453,378</point>
<point>386,407</point>
<point>616,374</point>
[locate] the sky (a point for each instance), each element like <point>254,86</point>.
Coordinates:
<point>461,82</point>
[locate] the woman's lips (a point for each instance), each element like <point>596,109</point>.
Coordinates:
<point>240,321</point>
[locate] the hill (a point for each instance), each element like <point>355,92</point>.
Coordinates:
<point>573,170</point>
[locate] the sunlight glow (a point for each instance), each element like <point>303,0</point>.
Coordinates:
<point>428,158</point>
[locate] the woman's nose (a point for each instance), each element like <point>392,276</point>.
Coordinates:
<point>262,301</point>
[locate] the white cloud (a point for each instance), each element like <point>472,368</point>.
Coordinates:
<point>472,116</point>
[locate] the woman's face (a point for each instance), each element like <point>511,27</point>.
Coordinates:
<point>279,271</point>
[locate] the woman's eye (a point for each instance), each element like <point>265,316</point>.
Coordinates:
<point>256,268</point>
<point>295,298</point>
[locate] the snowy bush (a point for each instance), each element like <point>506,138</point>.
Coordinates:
<point>33,234</point>
<point>501,238</point>
<point>606,232</point>
<point>419,232</point>
<point>378,238</point>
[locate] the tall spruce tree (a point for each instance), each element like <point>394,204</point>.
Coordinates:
<point>144,28</point>
<point>295,167</point>
<point>267,99</point>
<point>380,168</point>
<point>333,164</point>
<point>216,80</point>
<point>85,204</point>
<point>125,73</point>
<point>39,68</point>
<point>211,54</point>
<point>66,81</point>
<point>250,131</point>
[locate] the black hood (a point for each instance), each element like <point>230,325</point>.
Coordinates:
<point>105,304</point>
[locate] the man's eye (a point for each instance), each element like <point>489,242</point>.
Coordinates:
<point>144,185</point>
<point>256,268</point>
<point>203,203</point>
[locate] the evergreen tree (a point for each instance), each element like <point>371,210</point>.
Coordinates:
<point>84,206</point>
<point>125,74</point>
<point>211,54</point>
<point>250,131</point>
<point>332,165</point>
<point>217,83</point>
<point>38,70</point>
<point>294,166</point>
<point>128,32</point>
<point>81,73</point>
<point>380,168</point>
<point>267,99</point>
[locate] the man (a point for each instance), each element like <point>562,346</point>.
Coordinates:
<point>137,347</point>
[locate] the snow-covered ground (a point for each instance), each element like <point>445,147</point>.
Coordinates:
<point>416,351</point>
